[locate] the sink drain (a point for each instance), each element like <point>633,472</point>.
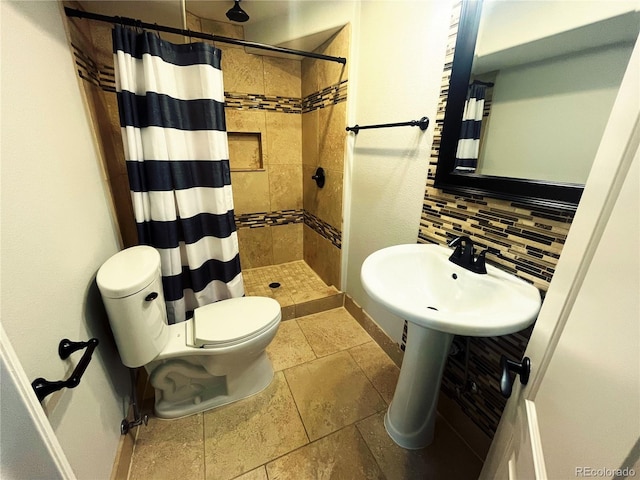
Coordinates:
<point>433,308</point>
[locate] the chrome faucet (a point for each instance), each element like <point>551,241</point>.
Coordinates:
<point>463,255</point>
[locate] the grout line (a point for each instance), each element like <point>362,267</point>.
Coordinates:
<point>297,410</point>
<point>375,459</point>
<point>348,350</point>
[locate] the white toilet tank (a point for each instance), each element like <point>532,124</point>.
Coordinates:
<point>131,288</point>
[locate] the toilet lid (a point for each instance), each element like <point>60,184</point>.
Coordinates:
<point>128,271</point>
<point>231,321</point>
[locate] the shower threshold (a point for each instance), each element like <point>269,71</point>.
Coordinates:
<point>300,290</point>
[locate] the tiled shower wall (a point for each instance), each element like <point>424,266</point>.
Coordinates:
<point>530,241</point>
<point>324,87</point>
<point>266,100</point>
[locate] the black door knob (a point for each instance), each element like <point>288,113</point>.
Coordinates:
<point>523,369</point>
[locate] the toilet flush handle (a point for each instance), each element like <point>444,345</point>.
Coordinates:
<point>151,296</point>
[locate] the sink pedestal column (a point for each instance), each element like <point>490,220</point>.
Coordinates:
<point>410,419</point>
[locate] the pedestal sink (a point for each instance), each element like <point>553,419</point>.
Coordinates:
<point>439,300</point>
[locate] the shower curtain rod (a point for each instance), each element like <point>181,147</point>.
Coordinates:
<point>71,12</point>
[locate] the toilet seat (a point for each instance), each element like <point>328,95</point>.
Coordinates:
<point>229,322</point>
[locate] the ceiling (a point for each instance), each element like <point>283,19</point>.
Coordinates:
<point>258,10</point>
<point>170,13</point>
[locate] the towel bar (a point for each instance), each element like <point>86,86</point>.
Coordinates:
<point>44,387</point>
<point>423,123</point>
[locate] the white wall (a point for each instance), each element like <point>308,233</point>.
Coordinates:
<point>57,229</point>
<point>395,74</point>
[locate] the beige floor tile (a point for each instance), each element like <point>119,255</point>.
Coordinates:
<point>332,392</point>
<point>378,368</point>
<point>341,455</point>
<point>169,449</point>
<point>244,435</point>
<point>290,347</point>
<point>447,457</point>
<point>331,331</point>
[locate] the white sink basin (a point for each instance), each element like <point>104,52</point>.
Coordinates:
<point>439,299</point>
<point>418,283</point>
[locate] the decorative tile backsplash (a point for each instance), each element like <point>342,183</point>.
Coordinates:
<point>266,219</point>
<point>530,240</point>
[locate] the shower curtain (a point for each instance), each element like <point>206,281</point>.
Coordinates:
<point>469,142</point>
<point>171,104</point>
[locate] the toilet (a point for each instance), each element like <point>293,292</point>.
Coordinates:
<point>215,358</point>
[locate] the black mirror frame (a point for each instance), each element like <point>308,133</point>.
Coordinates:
<point>542,193</point>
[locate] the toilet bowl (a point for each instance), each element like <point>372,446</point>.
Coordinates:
<point>215,358</point>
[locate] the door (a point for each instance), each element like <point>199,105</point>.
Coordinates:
<point>29,447</point>
<point>579,414</point>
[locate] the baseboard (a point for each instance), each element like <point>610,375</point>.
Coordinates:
<point>122,462</point>
<point>385,342</point>
<point>471,434</point>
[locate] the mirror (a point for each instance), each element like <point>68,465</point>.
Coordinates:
<point>548,73</point>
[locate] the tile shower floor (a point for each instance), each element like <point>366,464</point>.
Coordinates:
<point>300,290</point>
<point>321,418</point>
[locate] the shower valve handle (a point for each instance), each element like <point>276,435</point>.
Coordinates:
<point>319,177</point>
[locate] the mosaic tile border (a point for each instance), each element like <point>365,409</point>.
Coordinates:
<point>284,217</point>
<point>103,77</point>
<point>323,228</point>
<point>267,219</point>
<point>330,95</point>
<point>530,240</point>
<point>257,101</point>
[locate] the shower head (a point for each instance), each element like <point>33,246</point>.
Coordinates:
<point>236,13</point>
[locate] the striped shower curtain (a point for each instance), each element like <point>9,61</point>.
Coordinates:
<point>469,142</point>
<point>171,104</point>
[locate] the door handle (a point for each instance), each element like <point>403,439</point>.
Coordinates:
<point>523,369</point>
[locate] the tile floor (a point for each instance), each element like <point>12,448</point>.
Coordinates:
<point>321,418</point>
<point>301,290</point>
